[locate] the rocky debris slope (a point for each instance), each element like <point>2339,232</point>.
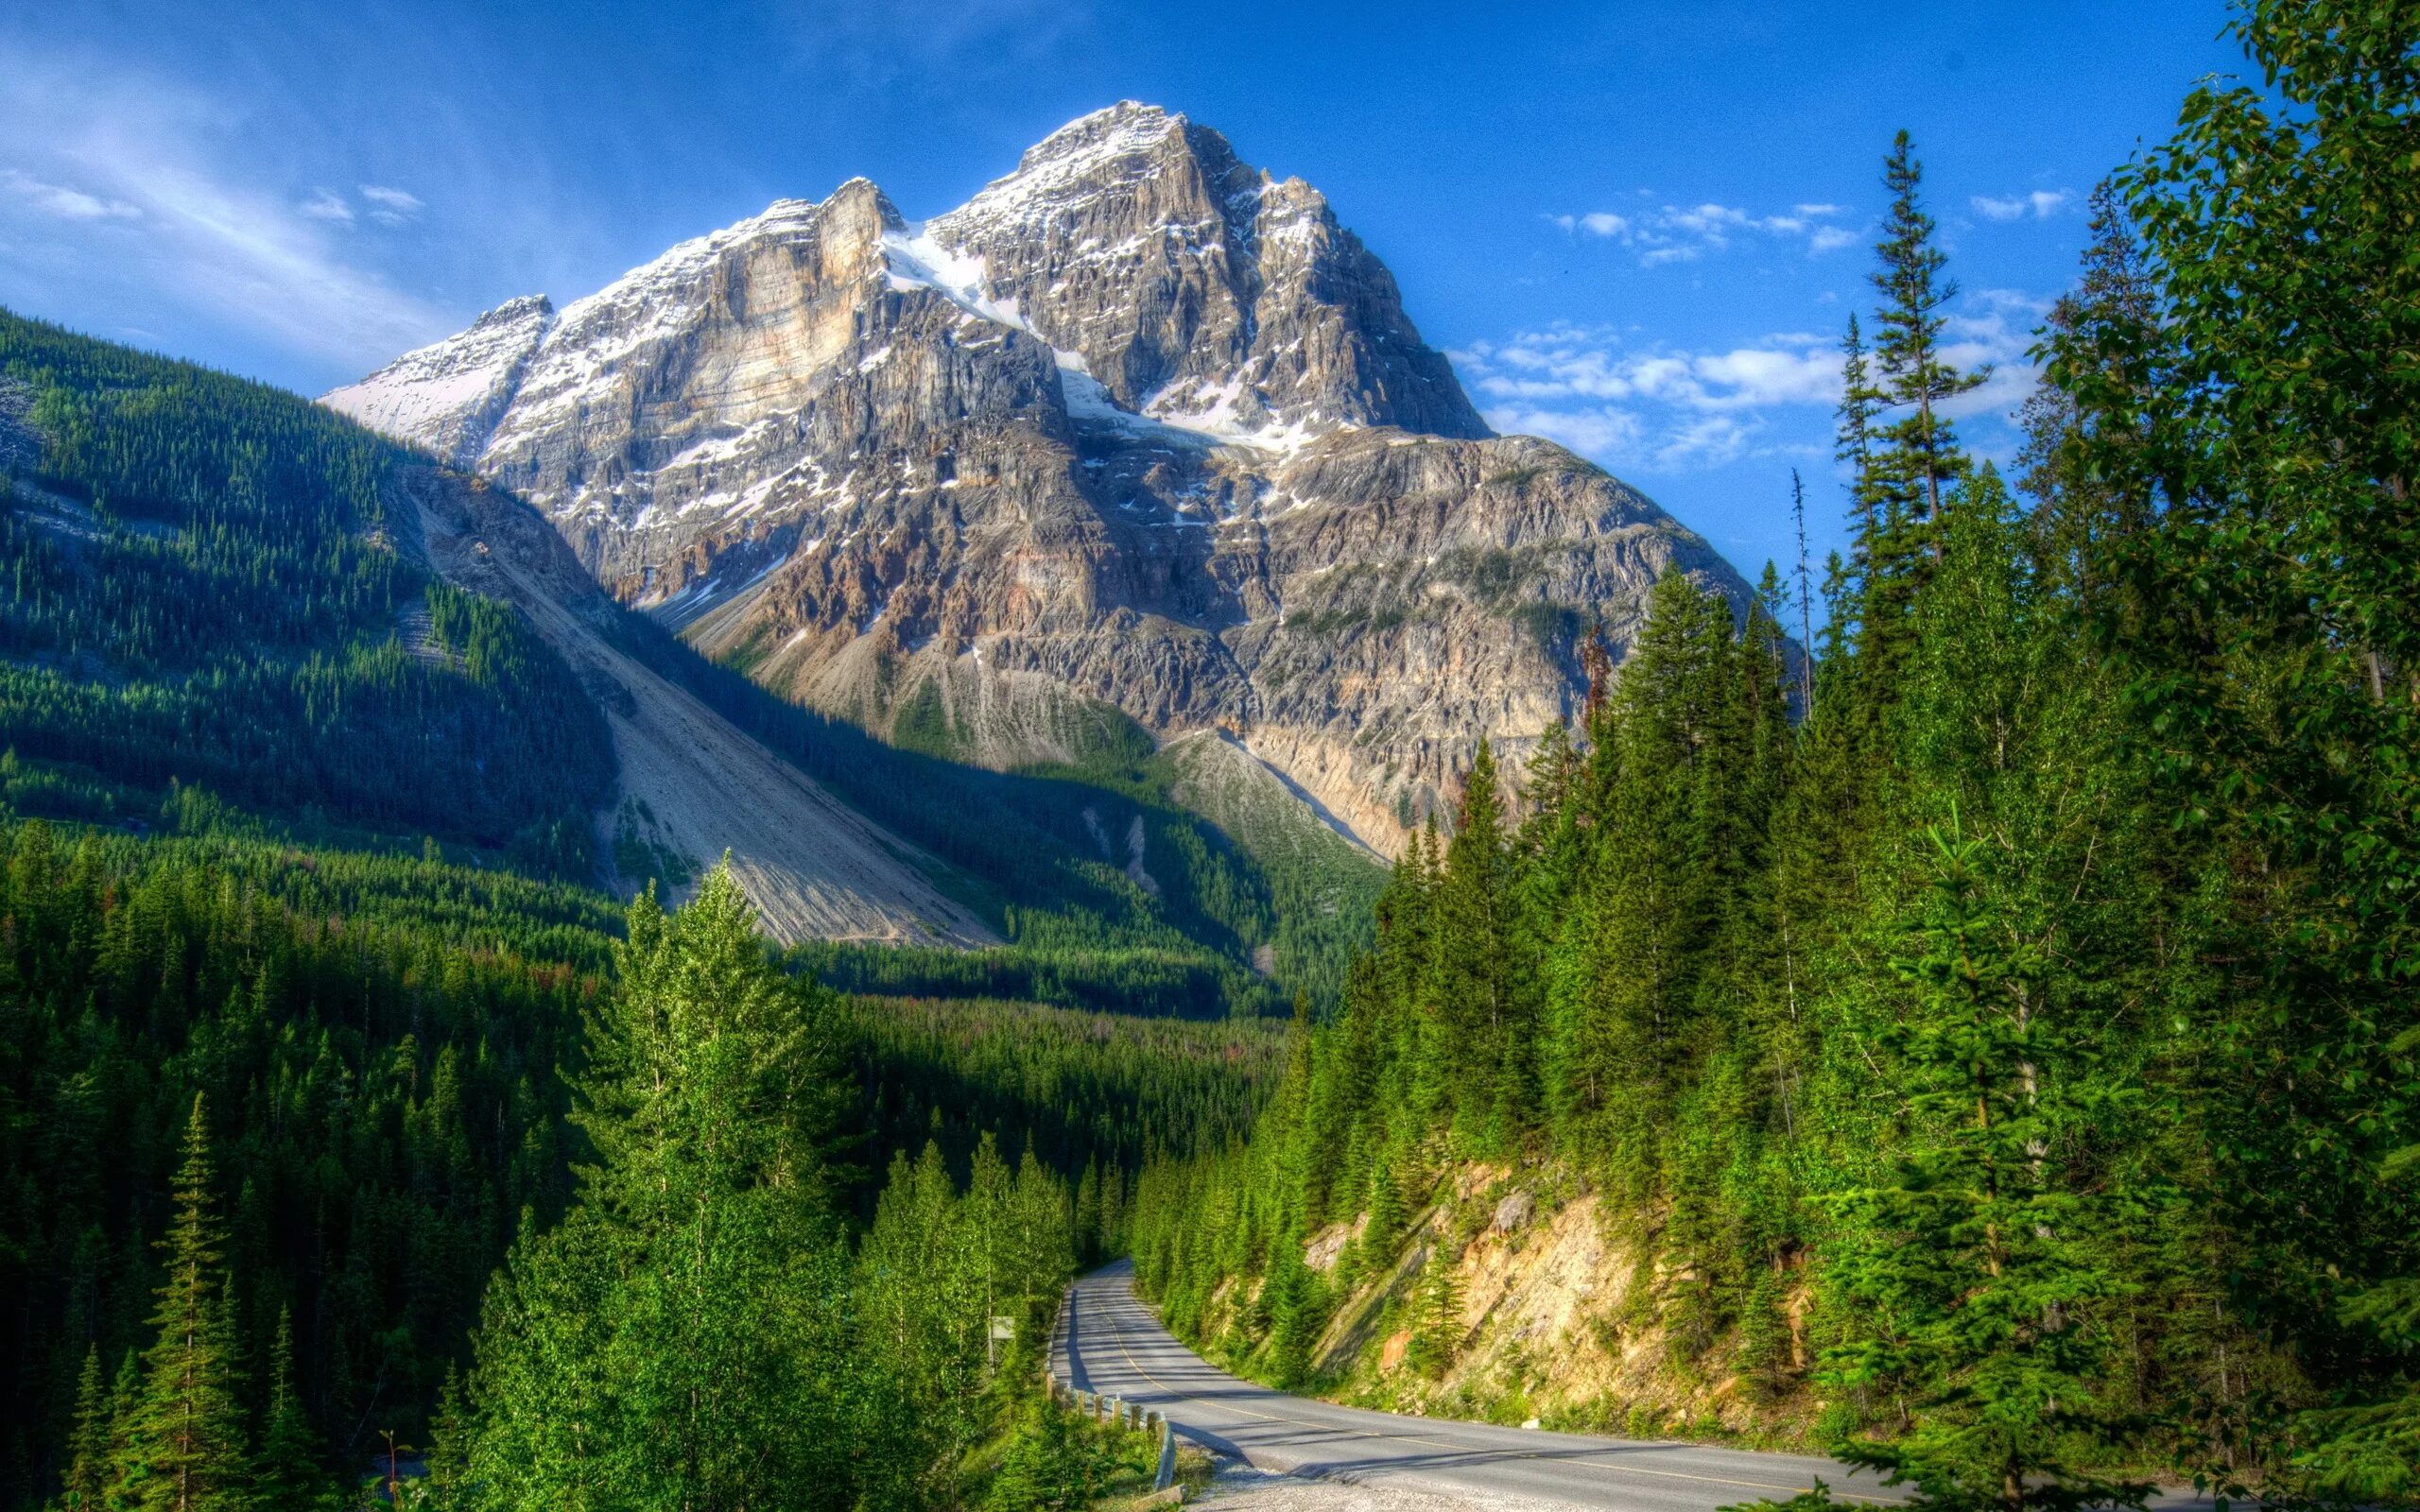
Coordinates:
<point>1138,427</point>
<point>815,868</point>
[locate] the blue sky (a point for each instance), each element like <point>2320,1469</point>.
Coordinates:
<point>1637,226</point>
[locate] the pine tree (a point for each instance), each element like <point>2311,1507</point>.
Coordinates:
<point>1854,447</point>
<point>1292,1301</point>
<point>1922,449</point>
<point>448,1457</point>
<point>1089,1236</point>
<point>287,1471</point>
<point>1916,457</point>
<point>2086,477</point>
<point>1436,1329</point>
<point>1483,1058</point>
<point>1050,1465</point>
<point>1976,1250</point>
<point>1805,593</point>
<point>1386,1212</point>
<point>682,1336</point>
<point>125,1395</point>
<point>185,1449</point>
<point>88,1464</point>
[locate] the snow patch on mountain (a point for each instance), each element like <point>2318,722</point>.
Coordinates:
<point>447,397</point>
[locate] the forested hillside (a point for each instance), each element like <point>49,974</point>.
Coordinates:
<point>303,1051</point>
<point>205,583</point>
<point>339,1080</point>
<point>2010,1075</point>
<point>217,584</point>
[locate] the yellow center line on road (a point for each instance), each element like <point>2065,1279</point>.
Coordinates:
<point>1622,1465</point>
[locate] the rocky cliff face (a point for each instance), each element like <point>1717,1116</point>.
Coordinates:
<point>1137,426</point>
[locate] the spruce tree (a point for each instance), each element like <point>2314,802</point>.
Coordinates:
<point>125,1395</point>
<point>287,1471</point>
<point>1436,1326</point>
<point>1386,1212</point>
<point>1294,1316</point>
<point>1977,1249</point>
<point>1089,1234</point>
<point>448,1456</point>
<point>682,1337</point>
<point>1854,421</point>
<point>1484,1059</point>
<point>2084,475</point>
<point>1916,457</point>
<point>1922,449</point>
<point>88,1445</point>
<point>184,1439</point>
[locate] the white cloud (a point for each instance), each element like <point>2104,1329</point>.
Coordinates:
<point>2041,204</point>
<point>1996,328</point>
<point>60,202</point>
<point>207,233</point>
<point>1680,234</point>
<point>390,207</point>
<point>323,205</point>
<point>1654,407</point>
<point>1601,431</point>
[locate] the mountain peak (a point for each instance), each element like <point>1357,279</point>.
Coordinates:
<point>1128,125</point>
<point>511,312</point>
<point>1137,425</point>
<point>1191,289</point>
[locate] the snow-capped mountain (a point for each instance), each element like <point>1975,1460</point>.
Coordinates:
<point>1136,425</point>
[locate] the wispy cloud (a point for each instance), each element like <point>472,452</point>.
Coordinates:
<point>389,206</point>
<point>1601,431</point>
<point>1994,327</point>
<point>323,205</point>
<point>1680,234</point>
<point>60,202</point>
<point>212,237</point>
<point>2041,204</point>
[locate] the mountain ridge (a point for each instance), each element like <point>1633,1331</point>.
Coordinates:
<point>1139,426</point>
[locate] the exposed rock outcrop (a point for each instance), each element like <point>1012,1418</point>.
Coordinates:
<point>1137,426</point>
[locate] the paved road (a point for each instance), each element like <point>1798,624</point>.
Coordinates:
<point>1112,1344</point>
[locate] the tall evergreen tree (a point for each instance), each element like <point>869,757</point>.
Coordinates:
<point>184,1439</point>
<point>1976,1251</point>
<point>1856,421</point>
<point>681,1338</point>
<point>1483,1056</point>
<point>1916,457</point>
<point>1921,448</point>
<point>287,1471</point>
<point>88,1466</point>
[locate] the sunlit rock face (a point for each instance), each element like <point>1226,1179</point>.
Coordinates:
<point>1136,425</point>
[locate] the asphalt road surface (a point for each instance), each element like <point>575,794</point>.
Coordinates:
<point>1112,1344</point>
